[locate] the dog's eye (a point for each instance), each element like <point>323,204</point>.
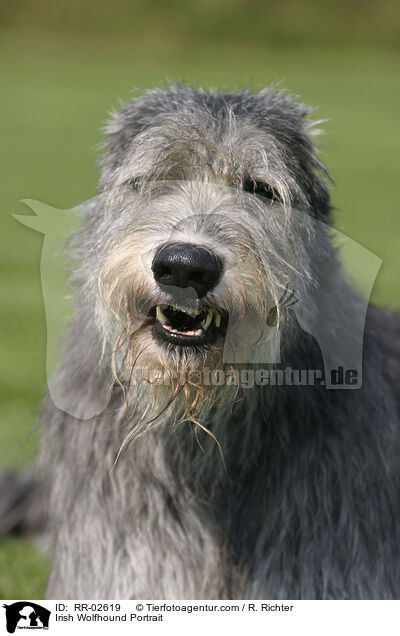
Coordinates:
<point>260,189</point>
<point>134,183</point>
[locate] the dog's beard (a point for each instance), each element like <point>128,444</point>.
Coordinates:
<point>176,381</point>
<point>166,382</point>
<point>178,387</point>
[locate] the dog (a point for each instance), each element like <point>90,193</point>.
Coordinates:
<point>205,260</point>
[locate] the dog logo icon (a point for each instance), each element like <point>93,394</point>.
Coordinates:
<point>26,615</point>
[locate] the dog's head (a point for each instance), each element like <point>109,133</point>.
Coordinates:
<point>194,239</point>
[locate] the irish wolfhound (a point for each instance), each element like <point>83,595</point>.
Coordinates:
<point>206,260</point>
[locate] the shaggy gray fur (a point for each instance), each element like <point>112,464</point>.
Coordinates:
<point>305,503</point>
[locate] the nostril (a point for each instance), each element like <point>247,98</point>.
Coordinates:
<point>160,269</point>
<point>198,276</point>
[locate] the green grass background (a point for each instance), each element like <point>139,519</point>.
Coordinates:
<point>64,65</point>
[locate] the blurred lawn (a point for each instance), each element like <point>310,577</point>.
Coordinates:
<point>56,91</point>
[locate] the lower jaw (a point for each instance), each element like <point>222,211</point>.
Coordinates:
<point>208,338</point>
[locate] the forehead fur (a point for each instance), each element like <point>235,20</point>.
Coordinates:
<point>181,132</point>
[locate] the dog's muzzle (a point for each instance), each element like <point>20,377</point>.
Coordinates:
<point>185,266</point>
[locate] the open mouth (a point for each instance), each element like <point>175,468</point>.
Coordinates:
<point>188,327</point>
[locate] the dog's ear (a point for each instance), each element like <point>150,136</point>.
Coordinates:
<point>320,178</point>
<point>136,116</point>
<point>313,176</point>
<point>320,199</point>
<point>120,130</point>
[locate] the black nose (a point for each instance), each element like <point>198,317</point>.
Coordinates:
<point>187,265</point>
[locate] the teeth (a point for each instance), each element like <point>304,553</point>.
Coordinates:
<point>211,314</point>
<point>160,316</point>
<point>187,310</point>
<point>208,319</point>
<point>191,311</point>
